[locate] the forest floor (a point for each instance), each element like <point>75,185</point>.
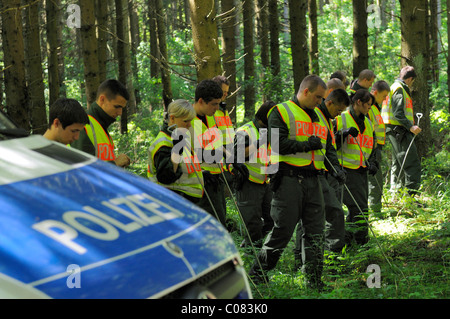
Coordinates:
<point>410,245</point>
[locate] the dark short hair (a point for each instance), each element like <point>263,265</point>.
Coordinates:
<point>261,114</point>
<point>362,95</point>
<point>407,72</point>
<point>311,82</point>
<point>221,79</point>
<point>111,88</point>
<point>366,74</point>
<point>339,97</point>
<point>208,90</point>
<point>380,86</point>
<point>68,112</point>
<point>340,75</point>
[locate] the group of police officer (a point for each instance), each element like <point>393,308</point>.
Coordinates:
<point>292,167</point>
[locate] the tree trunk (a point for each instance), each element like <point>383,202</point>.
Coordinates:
<point>34,70</point>
<point>54,48</point>
<point>313,37</point>
<point>164,65</point>
<point>229,49</point>
<point>13,51</point>
<point>89,45</point>
<point>263,40</point>
<point>263,27</point>
<point>249,60</point>
<point>124,60</point>
<point>102,21</point>
<point>299,42</point>
<point>433,35</point>
<point>360,34</point>
<point>205,39</point>
<point>135,36</point>
<point>154,51</point>
<point>275,64</point>
<point>414,51</point>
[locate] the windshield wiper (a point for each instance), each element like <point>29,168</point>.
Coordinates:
<point>14,132</point>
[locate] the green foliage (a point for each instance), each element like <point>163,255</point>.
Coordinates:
<point>412,250</point>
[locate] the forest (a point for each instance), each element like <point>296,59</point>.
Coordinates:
<point>162,48</point>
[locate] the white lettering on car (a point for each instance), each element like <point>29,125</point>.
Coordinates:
<point>140,210</point>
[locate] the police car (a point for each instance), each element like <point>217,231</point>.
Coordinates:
<point>72,226</point>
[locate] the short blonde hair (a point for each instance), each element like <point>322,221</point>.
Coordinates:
<point>181,108</point>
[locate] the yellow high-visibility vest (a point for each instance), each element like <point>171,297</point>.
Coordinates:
<point>103,143</point>
<point>378,124</point>
<point>386,110</point>
<point>301,128</point>
<point>208,138</point>
<point>355,151</point>
<point>224,124</point>
<point>191,180</point>
<point>328,123</point>
<point>256,164</point>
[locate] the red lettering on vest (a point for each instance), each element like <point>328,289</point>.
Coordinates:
<point>211,136</point>
<point>105,152</point>
<point>363,140</point>
<point>307,129</point>
<point>223,121</point>
<point>379,119</point>
<point>192,164</point>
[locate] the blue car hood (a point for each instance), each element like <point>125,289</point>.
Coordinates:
<point>93,230</point>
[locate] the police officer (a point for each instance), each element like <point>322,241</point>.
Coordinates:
<point>208,145</point>
<point>398,115</point>
<point>112,98</point>
<point>253,195</point>
<point>335,102</point>
<point>297,190</point>
<point>171,161</point>
<point>364,81</point>
<point>356,156</point>
<point>379,90</point>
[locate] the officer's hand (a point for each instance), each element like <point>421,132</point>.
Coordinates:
<point>210,180</point>
<point>315,143</point>
<point>373,169</point>
<point>122,160</point>
<point>353,131</point>
<point>240,169</point>
<point>415,129</point>
<point>339,174</point>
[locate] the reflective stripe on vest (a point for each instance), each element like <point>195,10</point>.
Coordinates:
<point>256,168</point>
<point>378,123</point>
<point>103,143</point>
<point>386,110</point>
<point>329,125</point>
<point>188,182</point>
<point>224,124</point>
<point>208,138</point>
<point>301,128</point>
<point>350,151</point>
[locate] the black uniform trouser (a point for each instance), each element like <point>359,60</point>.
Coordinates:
<point>357,204</point>
<point>254,204</point>
<point>216,194</point>
<point>296,199</point>
<point>410,176</point>
<point>376,187</point>
<point>334,219</point>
